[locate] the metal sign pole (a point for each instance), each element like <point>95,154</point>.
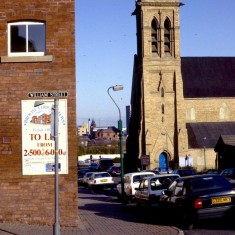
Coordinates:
<point>57,224</point>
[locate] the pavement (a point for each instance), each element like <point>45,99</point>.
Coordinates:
<point>99,215</point>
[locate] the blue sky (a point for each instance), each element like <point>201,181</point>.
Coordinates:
<point>106,44</point>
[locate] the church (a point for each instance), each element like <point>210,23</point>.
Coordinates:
<point>180,106</point>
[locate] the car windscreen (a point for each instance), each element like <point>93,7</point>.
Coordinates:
<point>209,183</point>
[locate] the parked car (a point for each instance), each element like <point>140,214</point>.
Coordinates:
<point>151,188</point>
<point>229,174</point>
<point>184,172</point>
<point>114,170</point>
<point>81,173</point>
<point>94,166</point>
<point>105,163</point>
<point>154,171</point>
<point>189,199</point>
<point>86,178</point>
<point>211,171</point>
<point>99,180</point>
<point>131,181</point>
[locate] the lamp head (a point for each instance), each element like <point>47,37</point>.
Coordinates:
<point>118,87</point>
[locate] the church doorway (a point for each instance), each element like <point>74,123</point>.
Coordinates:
<point>163,162</point>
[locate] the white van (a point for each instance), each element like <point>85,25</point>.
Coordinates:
<point>132,181</point>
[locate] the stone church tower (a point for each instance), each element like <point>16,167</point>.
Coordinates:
<point>180,106</point>
<point>157,66</point>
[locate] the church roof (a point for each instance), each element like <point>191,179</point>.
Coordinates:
<point>207,133</point>
<point>205,77</point>
<point>228,140</point>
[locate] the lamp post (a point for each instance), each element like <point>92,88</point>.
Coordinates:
<point>55,128</point>
<point>204,148</point>
<point>118,88</point>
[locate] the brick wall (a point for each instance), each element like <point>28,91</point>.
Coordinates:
<point>30,199</point>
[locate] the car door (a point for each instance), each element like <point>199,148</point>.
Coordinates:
<point>141,192</point>
<point>145,190</point>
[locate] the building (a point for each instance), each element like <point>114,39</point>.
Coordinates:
<point>37,64</point>
<point>180,105</point>
<point>83,129</point>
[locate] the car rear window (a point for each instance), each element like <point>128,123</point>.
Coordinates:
<point>208,183</point>
<point>100,175</point>
<point>137,178</point>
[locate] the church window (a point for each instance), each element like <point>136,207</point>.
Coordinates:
<point>162,92</point>
<point>155,37</point>
<point>223,112</point>
<point>26,38</point>
<point>190,113</point>
<point>167,37</point>
<point>163,109</point>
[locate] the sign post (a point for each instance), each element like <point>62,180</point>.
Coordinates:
<point>46,119</point>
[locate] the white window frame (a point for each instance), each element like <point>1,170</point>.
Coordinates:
<point>26,23</point>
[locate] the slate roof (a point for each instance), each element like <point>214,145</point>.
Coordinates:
<point>205,77</point>
<point>207,133</point>
<point>228,140</point>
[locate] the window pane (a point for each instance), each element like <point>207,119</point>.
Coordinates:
<point>18,38</point>
<point>36,38</point>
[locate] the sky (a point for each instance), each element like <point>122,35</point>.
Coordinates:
<point>106,45</point>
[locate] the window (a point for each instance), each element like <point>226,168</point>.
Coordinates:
<point>155,37</point>
<point>167,37</point>
<point>223,112</point>
<point>163,109</point>
<point>190,112</point>
<point>162,92</point>
<point>26,38</point>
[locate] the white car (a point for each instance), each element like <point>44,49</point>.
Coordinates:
<point>132,181</point>
<point>86,177</point>
<point>151,188</point>
<point>100,179</point>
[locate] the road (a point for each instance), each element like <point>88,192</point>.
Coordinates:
<point>148,216</point>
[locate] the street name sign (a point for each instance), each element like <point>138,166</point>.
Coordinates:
<point>55,94</point>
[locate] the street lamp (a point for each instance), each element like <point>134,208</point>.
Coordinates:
<point>204,152</point>
<point>55,136</point>
<point>118,88</point>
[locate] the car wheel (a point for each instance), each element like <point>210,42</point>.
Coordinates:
<point>188,221</point>
<point>119,196</point>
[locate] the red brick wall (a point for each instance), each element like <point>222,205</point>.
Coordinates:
<point>30,199</point>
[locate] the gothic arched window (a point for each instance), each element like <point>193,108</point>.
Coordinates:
<point>155,37</point>
<point>223,112</point>
<point>167,36</point>
<point>190,113</point>
<point>162,92</point>
<point>163,109</point>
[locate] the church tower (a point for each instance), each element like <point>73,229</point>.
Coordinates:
<point>158,95</point>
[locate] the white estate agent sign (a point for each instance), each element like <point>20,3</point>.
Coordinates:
<point>38,146</point>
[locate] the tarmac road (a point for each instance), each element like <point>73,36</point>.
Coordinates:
<point>129,220</point>
<point>102,214</point>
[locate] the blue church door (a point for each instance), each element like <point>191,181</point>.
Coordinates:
<point>163,164</point>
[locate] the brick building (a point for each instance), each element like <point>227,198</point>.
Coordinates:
<point>37,52</point>
<point>180,105</point>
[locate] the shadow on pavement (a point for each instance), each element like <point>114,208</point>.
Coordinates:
<point>107,205</point>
